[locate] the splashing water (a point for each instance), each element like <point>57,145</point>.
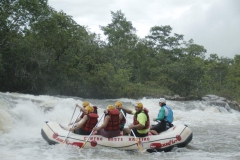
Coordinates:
<point>215,129</point>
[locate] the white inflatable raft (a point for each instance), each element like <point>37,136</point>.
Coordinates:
<point>178,136</point>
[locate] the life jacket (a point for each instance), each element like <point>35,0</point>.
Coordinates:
<point>91,122</point>
<point>113,123</point>
<point>95,109</point>
<point>168,114</point>
<point>147,123</point>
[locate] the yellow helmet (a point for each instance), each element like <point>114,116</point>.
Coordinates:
<point>118,104</point>
<point>86,103</point>
<point>110,107</point>
<point>139,105</point>
<point>89,109</point>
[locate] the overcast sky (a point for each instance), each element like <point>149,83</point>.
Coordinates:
<point>214,24</point>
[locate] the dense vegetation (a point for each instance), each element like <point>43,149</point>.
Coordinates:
<point>43,51</point>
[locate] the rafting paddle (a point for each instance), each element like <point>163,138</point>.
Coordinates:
<point>72,126</point>
<point>91,132</point>
<point>73,114</point>
<point>136,139</point>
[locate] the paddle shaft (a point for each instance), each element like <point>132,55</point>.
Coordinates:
<point>73,114</point>
<point>92,131</point>
<point>136,139</point>
<point>72,126</point>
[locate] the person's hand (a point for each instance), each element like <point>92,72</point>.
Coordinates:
<point>105,111</point>
<point>70,124</point>
<point>95,129</point>
<point>71,129</point>
<point>131,126</point>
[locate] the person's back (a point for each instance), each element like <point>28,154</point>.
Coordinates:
<point>90,123</point>
<point>110,127</point>
<point>113,123</point>
<point>168,117</point>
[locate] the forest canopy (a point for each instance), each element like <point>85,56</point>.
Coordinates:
<point>43,51</point>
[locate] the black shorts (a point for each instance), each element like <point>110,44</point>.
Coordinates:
<point>160,127</point>
<point>137,134</point>
<point>82,132</point>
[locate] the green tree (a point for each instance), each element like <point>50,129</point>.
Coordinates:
<point>216,70</point>
<point>16,16</point>
<point>120,49</point>
<point>184,76</point>
<point>69,52</point>
<point>121,38</point>
<point>232,85</point>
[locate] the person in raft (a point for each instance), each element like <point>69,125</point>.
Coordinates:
<point>164,118</point>
<point>87,123</point>
<point>140,125</point>
<point>84,104</point>
<point>122,119</point>
<point>110,127</point>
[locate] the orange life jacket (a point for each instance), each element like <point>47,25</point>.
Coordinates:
<point>113,123</point>
<point>91,122</point>
<point>147,123</point>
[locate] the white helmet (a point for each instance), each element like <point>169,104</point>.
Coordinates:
<point>162,100</point>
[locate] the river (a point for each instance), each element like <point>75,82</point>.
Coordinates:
<point>215,129</point>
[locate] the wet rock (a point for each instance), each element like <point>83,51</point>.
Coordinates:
<point>234,105</point>
<point>175,98</point>
<point>221,101</point>
<point>212,109</point>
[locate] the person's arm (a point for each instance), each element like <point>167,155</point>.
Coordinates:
<point>126,110</point>
<point>138,126</point>
<point>76,121</point>
<point>80,125</point>
<point>142,118</point>
<point>161,115</point>
<point>120,116</point>
<point>105,123</point>
<point>82,109</point>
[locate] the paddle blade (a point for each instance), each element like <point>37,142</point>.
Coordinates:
<point>84,144</point>
<point>139,144</point>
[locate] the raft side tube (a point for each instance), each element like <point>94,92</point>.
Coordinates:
<point>185,143</point>
<point>49,141</point>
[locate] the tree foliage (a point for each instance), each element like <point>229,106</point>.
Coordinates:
<point>43,51</point>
